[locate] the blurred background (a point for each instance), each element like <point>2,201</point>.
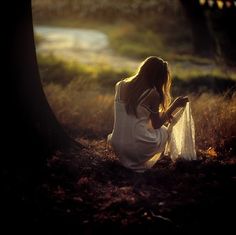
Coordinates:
<point>85,46</point>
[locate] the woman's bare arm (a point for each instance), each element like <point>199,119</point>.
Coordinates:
<point>152,101</point>
<point>158,119</point>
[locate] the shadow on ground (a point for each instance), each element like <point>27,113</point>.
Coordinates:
<point>89,192</point>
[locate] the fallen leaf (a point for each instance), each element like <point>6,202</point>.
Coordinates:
<point>211,152</point>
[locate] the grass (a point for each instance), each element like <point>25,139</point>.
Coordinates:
<point>61,72</point>
<point>185,70</point>
<point>214,117</point>
<point>82,98</point>
<point>84,113</point>
<point>127,40</point>
<point>138,42</point>
<point>90,113</point>
<point>58,71</point>
<point>38,38</point>
<point>133,41</point>
<point>88,192</point>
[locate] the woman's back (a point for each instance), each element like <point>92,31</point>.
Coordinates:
<point>132,138</point>
<point>137,103</point>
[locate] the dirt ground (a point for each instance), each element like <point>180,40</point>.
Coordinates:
<point>89,192</point>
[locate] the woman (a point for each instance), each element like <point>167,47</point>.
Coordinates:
<point>141,108</point>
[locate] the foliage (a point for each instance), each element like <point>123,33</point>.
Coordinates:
<point>137,28</point>
<point>103,9</point>
<point>57,71</point>
<point>128,40</point>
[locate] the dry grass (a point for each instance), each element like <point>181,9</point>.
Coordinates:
<point>83,112</point>
<point>82,98</point>
<point>90,113</point>
<point>215,117</point>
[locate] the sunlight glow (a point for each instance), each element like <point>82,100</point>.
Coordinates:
<point>220,4</point>
<point>85,46</point>
<point>72,39</point>
<point>228,4</point>
<point>202,2</point>
<point>211,3</point>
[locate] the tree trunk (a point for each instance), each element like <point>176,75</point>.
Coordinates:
<point>222,26</point>
<point>203,41</point>
<point>31,130</point>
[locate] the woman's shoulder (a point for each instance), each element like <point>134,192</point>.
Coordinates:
<point>153,95</point>
<point>152,100</point>
<point>122,85</point>
<point>119,83</point>
<point>120,88</point>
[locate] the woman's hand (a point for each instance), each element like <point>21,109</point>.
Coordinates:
<point>181,101</point>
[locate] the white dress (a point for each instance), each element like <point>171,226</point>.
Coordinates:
<point>181,142</point>
<point>137,146</point>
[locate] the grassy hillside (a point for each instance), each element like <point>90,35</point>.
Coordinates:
<point>135,28</point>
<point>88,191</point>
<point>82,98</point>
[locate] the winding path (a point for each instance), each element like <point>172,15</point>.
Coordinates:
<point>92,47</point>
<point>82,45</point>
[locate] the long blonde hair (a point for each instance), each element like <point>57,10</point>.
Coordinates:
<point>153,71</point>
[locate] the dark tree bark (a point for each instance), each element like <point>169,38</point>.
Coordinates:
<point>212,29</point>
<point>31,131</point>
<point>203,41</point>
<point>31,122</point>
<point>223,28</point>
